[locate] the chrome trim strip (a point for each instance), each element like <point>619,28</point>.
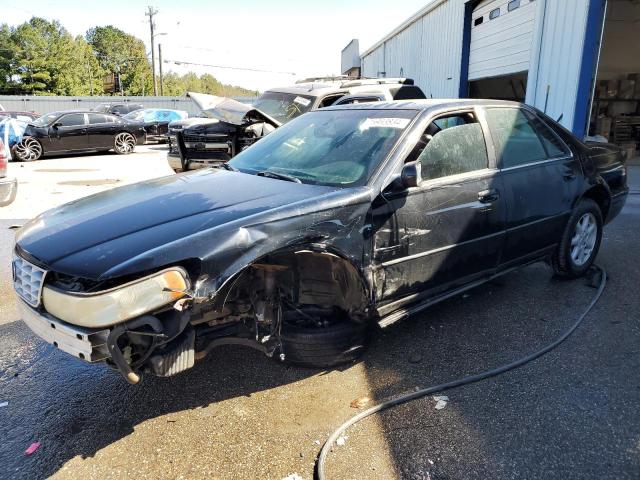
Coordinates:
<point>540,162</point>
<point>449,247</point>
<point>438,250</point>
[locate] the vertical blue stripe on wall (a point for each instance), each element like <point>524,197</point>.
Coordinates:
<point>595,23</point>
<point>466,49</point>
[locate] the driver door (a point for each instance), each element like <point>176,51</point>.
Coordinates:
<point>69,132</point>
<point>450,229</point>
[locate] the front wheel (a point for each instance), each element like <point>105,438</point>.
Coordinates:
<point>124,143</point>
<point>580,241</point>
<point>27,150</point>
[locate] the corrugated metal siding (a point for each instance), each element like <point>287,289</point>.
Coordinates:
<point>501,46</point>
<point>350,57</point>
<point>428,50</point>
<point>47,104</point>
<point>557,57</point>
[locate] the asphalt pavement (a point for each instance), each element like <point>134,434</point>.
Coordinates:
<point>569,415</point>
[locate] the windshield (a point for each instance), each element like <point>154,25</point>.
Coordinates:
<point>328,147</point>
<point>45,119</point>
<point>135,115</point>
<point>283,106</point>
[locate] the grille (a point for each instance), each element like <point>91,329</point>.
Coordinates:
<point>205,138</point>
<point>28,280</point>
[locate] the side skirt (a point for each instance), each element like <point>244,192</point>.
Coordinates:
<point>403,313</point>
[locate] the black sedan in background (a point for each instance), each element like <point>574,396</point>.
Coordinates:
<point>77,131</point>
<point>117,108</point>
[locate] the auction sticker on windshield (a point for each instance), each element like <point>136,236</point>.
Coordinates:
<point>384,123</point>
<point>302,101</point>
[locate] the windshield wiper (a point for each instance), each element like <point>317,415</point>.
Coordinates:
<point>279,176</point>
<point>226,166</point>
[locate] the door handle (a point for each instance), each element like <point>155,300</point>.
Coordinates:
<point>488,196</point>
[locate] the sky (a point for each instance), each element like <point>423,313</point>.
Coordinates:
<point>300,37</point>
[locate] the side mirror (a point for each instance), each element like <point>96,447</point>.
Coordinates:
<point>56,125</point>
<point>411,174</point>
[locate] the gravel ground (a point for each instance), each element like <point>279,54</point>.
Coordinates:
<point>571,414</point>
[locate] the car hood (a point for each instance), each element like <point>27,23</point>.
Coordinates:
<point>92,237</point>
<point>190,122</point>
<point>228,110</point>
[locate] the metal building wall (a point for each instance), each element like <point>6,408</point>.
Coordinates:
<point>557,58</point>
<point>427,48</point>
<point>47,104</point>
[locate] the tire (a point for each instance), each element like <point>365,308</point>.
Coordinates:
<point>580,241</point>
<point>124,143</point>
<point>325,347</point>
<point>27,150</point>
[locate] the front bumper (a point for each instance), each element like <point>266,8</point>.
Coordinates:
<point>86,344</point>
<point>8,190</point>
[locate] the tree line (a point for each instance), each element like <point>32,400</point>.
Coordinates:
<point>40,57</point>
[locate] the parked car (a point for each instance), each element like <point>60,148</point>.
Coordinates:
<point>155,121</point>
<point>8,185</point>
<point>344,218</point>
<point>235,126</point>
<point>117,108</point>
<point>22,116</point>
<point>77,131</point>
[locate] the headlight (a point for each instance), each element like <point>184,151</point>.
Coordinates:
<point>109,307</point>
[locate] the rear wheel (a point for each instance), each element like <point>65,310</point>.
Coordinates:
<point>580,241</point>
<point>27,150</point>
<point>124,143</point>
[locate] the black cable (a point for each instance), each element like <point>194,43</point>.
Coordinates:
<point>320,472</point>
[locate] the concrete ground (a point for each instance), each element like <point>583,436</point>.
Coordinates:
<point>570,415</point>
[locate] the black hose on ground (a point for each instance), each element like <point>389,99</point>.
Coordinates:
<point>322,457</point>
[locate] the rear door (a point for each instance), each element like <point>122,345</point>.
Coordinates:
<point>68,133</point>
<point>539,173</point>
<point>449,230</point>
<point>101,130</point>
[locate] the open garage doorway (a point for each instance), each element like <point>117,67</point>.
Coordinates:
<point>615,115</point>
<point>507,87</point>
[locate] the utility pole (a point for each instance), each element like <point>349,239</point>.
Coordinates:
<point>150,13</point>
<point>160,65</point>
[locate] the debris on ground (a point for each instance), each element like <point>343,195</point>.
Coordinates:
<point>341,441</point>
<point>360,402</point>
<point>441,401</point>
<point>32,448</point>
<point>3,404</point>
<point>415,358</point>
<point>292,476</point>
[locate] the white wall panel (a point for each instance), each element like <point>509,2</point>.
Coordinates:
<point>429,50</point>
<point>557,57</point>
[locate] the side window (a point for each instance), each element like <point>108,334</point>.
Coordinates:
<point>552,144</point>
<point>513,4</point>
<point>451,145</point>
<point>493,14</point>
<point>95,118</point>
<point>515,139</point>
<point>72,120</point>
<point>330,100</point>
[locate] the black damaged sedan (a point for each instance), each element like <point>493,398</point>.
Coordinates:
<point>59,133</point>
<point>343,219</point>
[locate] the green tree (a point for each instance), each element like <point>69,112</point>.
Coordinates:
<point>46,59</point>
<point>118,52</point>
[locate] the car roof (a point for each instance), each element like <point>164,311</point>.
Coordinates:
<point>427,104</point>
<point>317,89</point>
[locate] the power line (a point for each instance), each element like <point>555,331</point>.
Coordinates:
<point>181,62</point>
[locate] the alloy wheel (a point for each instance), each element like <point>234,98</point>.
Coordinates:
<point>584,239</point>
<point>124,143</point>
<point>28,150</point>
